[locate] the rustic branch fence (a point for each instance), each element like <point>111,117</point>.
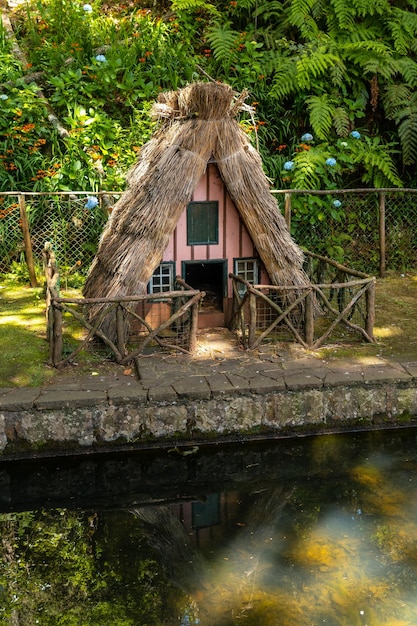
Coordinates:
<point>261,311</point>
<point>136,327</point>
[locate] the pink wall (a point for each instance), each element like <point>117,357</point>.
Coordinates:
<point>234,239</point>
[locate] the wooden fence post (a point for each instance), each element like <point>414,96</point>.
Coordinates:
<point>382,241</point>
<point>252,320</point>
<point>57,334</point>
<point>287,210</point>
<point>120,329</point>
<point>27,242</point>
<point>370,309</point>
<point>50,329</point>
<point>309,318</point>
<point>193,327</point>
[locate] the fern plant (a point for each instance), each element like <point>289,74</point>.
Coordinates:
<point>376,159</point>
<point>195,5</point>
<point>222,39</point>
<point>308,166</point>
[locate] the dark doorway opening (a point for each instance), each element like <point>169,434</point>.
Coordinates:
<point>208,276</point>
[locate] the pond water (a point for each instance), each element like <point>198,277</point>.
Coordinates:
<point>307,531</point>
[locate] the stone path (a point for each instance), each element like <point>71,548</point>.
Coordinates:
<point>219,368</point>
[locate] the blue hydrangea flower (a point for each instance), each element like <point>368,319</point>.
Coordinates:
<point>87,8</point>
<point>3,96</point>
<point>355,134</point>
<point>91,203</point>
<point>307,137</point>
<point>288,165</point>
<point>337,203</point>
<point>331,162</point>
<point>101,58</point>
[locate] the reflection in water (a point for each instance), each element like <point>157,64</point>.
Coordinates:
<point>321,530</point>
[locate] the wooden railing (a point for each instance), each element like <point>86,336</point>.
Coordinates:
<point>128,325</point>
<point>348,301</point>
<point>133,326</point>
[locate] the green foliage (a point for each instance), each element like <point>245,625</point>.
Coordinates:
<point>401,106</point>
<point>194,5</point>
<point>222,40</point>
<point>376,158</point>
<point>313,64</point>
<point>320,109</point>
<point>60,566</point>
<point>344,14</point>
<point>330,66</point>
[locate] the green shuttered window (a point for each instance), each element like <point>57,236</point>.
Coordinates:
<point>202,223</point>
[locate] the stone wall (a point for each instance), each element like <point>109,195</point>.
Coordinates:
<point>98,421</point>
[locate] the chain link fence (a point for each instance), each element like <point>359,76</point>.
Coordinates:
<point>370,230</point>
<point>72,222</point>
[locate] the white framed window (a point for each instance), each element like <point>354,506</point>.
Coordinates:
<point>248,269</point>
<point>162,279</point>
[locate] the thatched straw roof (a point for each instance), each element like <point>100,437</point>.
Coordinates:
<point>197,123</point>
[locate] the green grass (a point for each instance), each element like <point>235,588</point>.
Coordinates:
<point>22,336</point>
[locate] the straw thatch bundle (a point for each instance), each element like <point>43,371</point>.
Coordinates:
<point>197,123</point>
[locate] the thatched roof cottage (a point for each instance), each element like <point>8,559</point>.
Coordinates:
<point>198,205</point>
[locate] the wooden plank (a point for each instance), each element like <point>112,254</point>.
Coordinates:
<point>168,295</point>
